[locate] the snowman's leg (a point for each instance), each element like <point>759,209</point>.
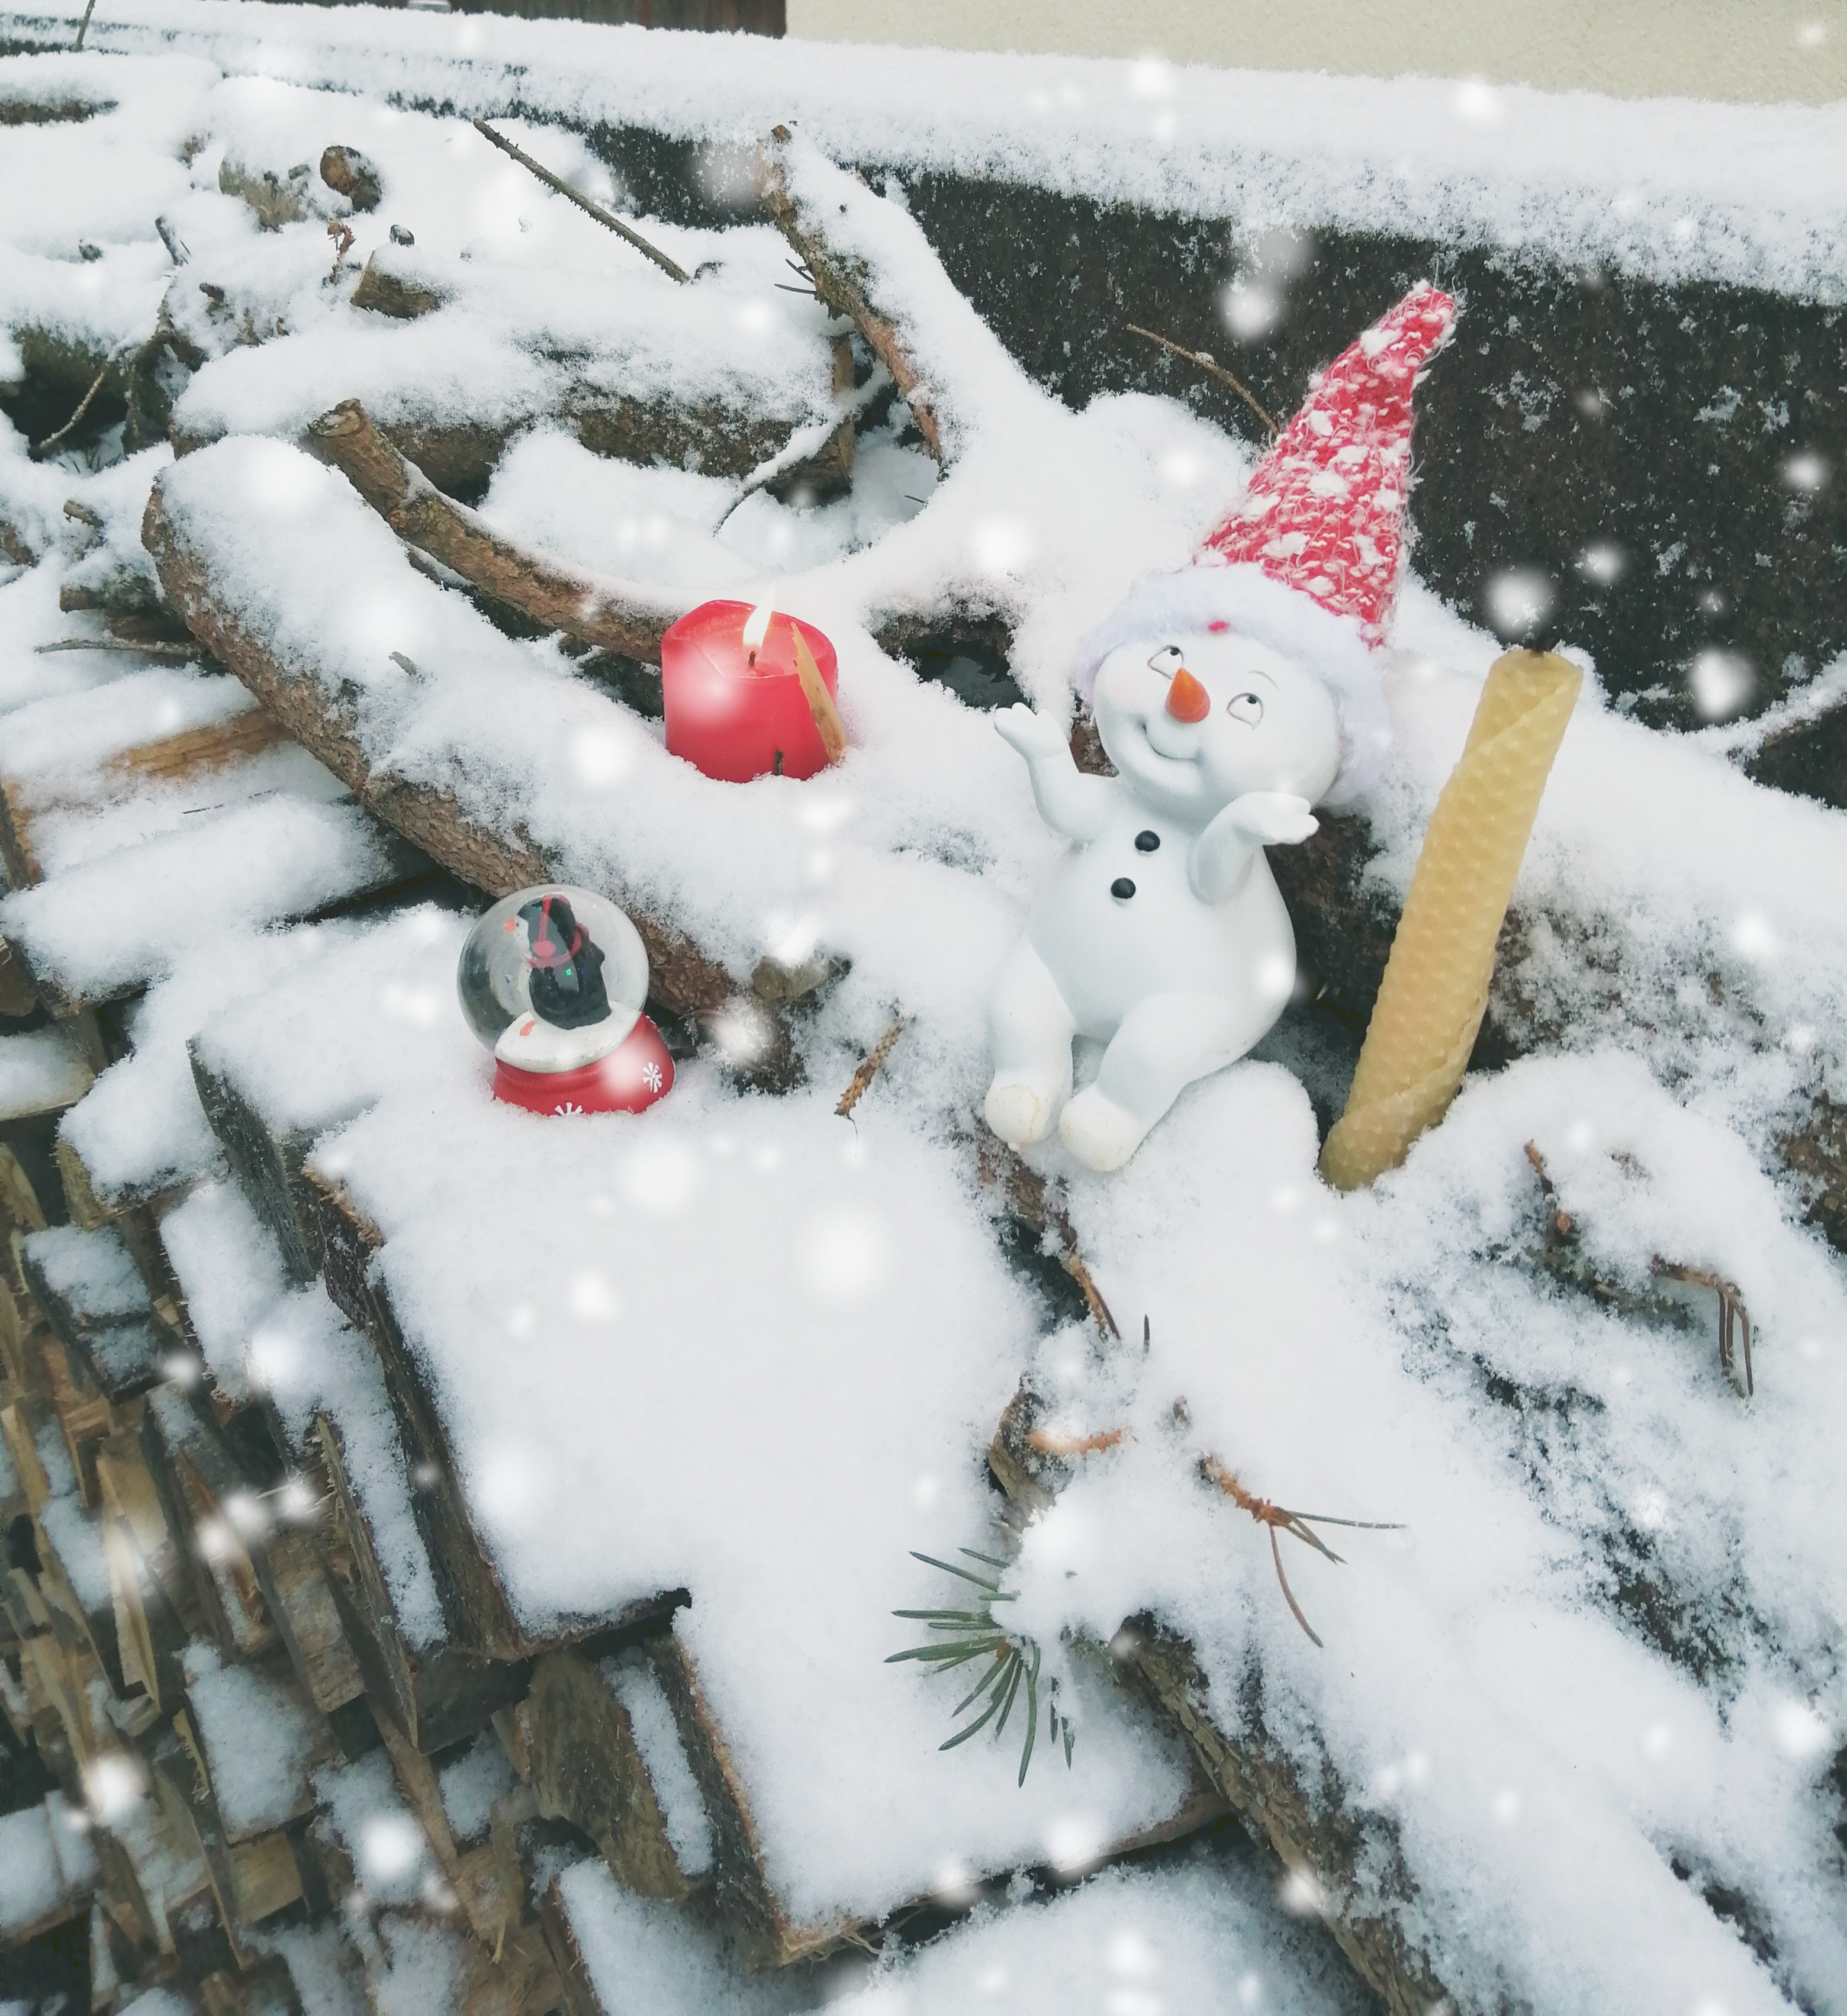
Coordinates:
<point>1031,1031</point>
<point>1164,1043</point>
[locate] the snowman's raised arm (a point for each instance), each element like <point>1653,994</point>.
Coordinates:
<point>1222,854</point>
<point>1069,802</point>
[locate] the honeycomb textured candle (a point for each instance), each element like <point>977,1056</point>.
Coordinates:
<point>1435,988</point>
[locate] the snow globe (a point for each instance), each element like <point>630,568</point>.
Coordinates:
<point>551,980</point>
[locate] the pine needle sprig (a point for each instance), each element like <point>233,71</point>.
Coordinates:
<point>1015,1661</point>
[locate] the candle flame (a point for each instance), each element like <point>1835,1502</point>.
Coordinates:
<point>757,628</point>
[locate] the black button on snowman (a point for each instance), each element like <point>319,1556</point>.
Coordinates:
<point>1145,842</point>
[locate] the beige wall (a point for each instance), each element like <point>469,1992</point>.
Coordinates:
<point>1766,50</point>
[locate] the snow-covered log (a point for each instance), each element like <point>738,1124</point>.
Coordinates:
<point>1320,1840</point>
<point>606,614</point>
<point>431,815</point>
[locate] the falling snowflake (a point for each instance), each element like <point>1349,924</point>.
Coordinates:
<point>566,1106</point>
<point>650,1077</point>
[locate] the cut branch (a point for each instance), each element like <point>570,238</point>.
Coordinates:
<point>554,596</point>
<point>607,218</point>
<point>152,647</point>
<point>1317,1829</point>
<point>840,283</point>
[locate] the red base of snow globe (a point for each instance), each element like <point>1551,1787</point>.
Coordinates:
<point>634,1075</point>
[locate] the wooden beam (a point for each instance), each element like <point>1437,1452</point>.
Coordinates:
<point>587,1769</point>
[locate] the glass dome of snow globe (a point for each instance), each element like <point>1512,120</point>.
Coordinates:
<point>552,980</point>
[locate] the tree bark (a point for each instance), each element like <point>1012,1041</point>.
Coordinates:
<point>840,283</point>
<point>554,596</point>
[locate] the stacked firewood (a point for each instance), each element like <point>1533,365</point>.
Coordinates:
<point>304,1742</point>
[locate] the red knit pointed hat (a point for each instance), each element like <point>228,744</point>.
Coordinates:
<point>1310,559</point>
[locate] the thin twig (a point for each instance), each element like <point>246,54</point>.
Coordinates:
<point>51,441</point>
<point>1211,364</point>
<point>162,647</point>
<point>808,441</point>
<point>1278,1517</point>
<point>1072,1262</point>
<point>869,1070</point>
<point>590,209</point>
<point>1734,1318</point>
<point>1561,1219</point>
<point>176,245</point>
<point>1047,1442</point>
<point>83,26</point>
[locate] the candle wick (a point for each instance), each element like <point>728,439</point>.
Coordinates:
<point>775,769</point>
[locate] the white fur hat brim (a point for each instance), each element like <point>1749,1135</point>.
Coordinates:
<point>1171,605</point>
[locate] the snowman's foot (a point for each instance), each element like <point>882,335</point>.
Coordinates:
<point>1020,1111</point>
<point>1101,1134</point>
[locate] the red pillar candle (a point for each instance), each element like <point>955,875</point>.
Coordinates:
<point>734,703</point>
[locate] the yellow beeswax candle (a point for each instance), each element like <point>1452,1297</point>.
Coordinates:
<point>1435,988</point>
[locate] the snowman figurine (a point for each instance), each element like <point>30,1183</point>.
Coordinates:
<point>1231,698</point>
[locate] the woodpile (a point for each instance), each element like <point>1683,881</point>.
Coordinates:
<point>260,1642</point>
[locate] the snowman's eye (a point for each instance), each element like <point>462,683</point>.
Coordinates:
<point>1245,707</point>
<point>1167,660</point>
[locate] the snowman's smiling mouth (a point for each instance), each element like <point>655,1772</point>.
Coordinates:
<point>1177,772</point>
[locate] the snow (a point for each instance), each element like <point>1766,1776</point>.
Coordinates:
<point>363,1008</point>
<point>30,1882</point>
<point>1671,188</point>
<point>75,1536</point>
<point>471,1785</point>
<point>41,1071</point>
<point>389,1853</point>
<point>637,1685</point>
<point>102,178</point>
<point>308,1360</point>
<point>229,1269</point>
<point>423,1976</point>
<point>157,2002</point>
<point>260,1739</point>
<point>92,1271</point>
<point>901,1340</point>
<point>1483,1692</point>
<point>1205,1934</point>
<point>55,748</point>
<point>67,837</point>
<point>1127,1943</point>
<point>322,1968</point>
<point>119,920</point>
<point>1599,1645</point>
<point>643,1959</point>
<point>141,1130</point>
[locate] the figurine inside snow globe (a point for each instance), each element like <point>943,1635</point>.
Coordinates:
<point>551,980</point>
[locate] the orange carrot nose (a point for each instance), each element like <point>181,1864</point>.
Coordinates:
<point>1186,699</point>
